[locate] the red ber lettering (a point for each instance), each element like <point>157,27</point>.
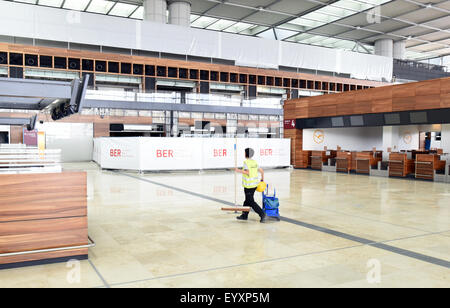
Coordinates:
<point>220,152</point>
<point>164,153</point>
<point>266,152</point>
<point>115,153</point>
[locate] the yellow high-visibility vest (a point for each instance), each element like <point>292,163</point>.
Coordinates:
<point>251,180</point>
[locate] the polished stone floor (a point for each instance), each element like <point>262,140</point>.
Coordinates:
<point>338,230</point>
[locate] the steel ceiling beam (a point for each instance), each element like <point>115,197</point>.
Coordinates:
<point>28,88</point>
<point>14,121</point>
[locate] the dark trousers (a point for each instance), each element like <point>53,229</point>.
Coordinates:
<point>249,201</point>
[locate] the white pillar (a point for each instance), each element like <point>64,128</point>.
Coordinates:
<point>180,12</point>
<point>155,10</point>
<point>384,47</point>
<point>399,50</point>
<point>390,140</point>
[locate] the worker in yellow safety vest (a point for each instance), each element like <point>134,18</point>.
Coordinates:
<point>250,181</point>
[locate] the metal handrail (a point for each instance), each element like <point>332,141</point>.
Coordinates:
<point>19,253</point>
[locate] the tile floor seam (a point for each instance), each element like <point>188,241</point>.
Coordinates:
<point>265,261</point>
<point>404,252</point>
<point>105,283</point>
<point>349,215</point>
<point>237,265</point>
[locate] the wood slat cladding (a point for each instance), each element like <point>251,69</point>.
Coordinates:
<point>426,164</point>
<point>146,66</point>
<point>42,196</point>
<point>42,211</point>
<point>16,134</point>
<point>423,95</point>
<point>367,160</point>
<point>400,165</point>
<point>343,161</point>
<point>298,160</point>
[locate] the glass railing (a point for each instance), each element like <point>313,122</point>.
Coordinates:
<point>189,98</point>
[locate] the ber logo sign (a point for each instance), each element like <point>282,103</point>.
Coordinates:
<point>164,153</point>
<point>115,152</point>
<point>266,152</point>
<point>220,153</point>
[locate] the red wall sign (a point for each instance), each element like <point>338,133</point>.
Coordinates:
<point>30,138</point>
<point>289,124</point>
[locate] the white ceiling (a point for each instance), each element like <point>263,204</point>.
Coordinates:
<point>345,24</point>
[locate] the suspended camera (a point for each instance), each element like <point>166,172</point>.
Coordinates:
<point>65,108</point>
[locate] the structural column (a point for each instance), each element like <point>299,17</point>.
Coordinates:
<point>399,50</point>
<point>384,47</point>
<point>180,12</point>
<point>155,10</point>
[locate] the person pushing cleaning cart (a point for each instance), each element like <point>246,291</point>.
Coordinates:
<point>250,182</point>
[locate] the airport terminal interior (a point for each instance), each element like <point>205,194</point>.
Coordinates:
<point>135,134</point>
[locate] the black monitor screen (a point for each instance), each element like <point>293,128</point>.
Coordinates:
<point>357,121</point>
<point>418,117</point>
<point>338,122</point>
<point>392,118</point>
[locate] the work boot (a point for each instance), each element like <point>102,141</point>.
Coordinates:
<point>242,217</point>
<point>263,218</point>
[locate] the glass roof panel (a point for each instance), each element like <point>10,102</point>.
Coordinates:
<point>239,27</point>
<point>203,22</point>
<point>220,25</point>
<point>26,1</point>
<point>139,13</point>
<point>100,6</point>
<point>54,3</point>
<point>123,9</point>
<point>79,5</point>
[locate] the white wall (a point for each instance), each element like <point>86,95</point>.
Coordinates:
<point>22,20</point>
<point>348,138</point>
<point>445,138</point>
<point>76,140</point>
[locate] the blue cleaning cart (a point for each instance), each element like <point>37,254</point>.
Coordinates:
<point>271,204</point>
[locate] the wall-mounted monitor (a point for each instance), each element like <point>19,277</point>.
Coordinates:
<point>418,117</point>
<point>337,122</point>
<point>356,121</point>
<point>392,118</point>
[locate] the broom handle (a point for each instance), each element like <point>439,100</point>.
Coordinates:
<point>235,174</point>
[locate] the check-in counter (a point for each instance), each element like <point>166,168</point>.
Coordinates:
<point>367,160</point>
<point>318,158</point>
<point>43,218</point>
<point>427,164</point>
<point>343,161</point>
<point>400,165</point>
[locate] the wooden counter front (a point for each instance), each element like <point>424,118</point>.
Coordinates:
<point>366,161</point>
<point>400,165</point>
<point>40,212</point>
<point>343,161</point>
<point>426,164</point>
<point>318,158</point>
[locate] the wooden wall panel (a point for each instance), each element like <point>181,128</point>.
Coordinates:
<point>101,130</point>
<point>16,134</point>
<point>42,211</point>
<point>445,100</point>
<point>37,196</point>
<point>432,101</point>
<point>42,234</point>
<point>404,90</point>
<point>430,94</point>
<point>403,103</point>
